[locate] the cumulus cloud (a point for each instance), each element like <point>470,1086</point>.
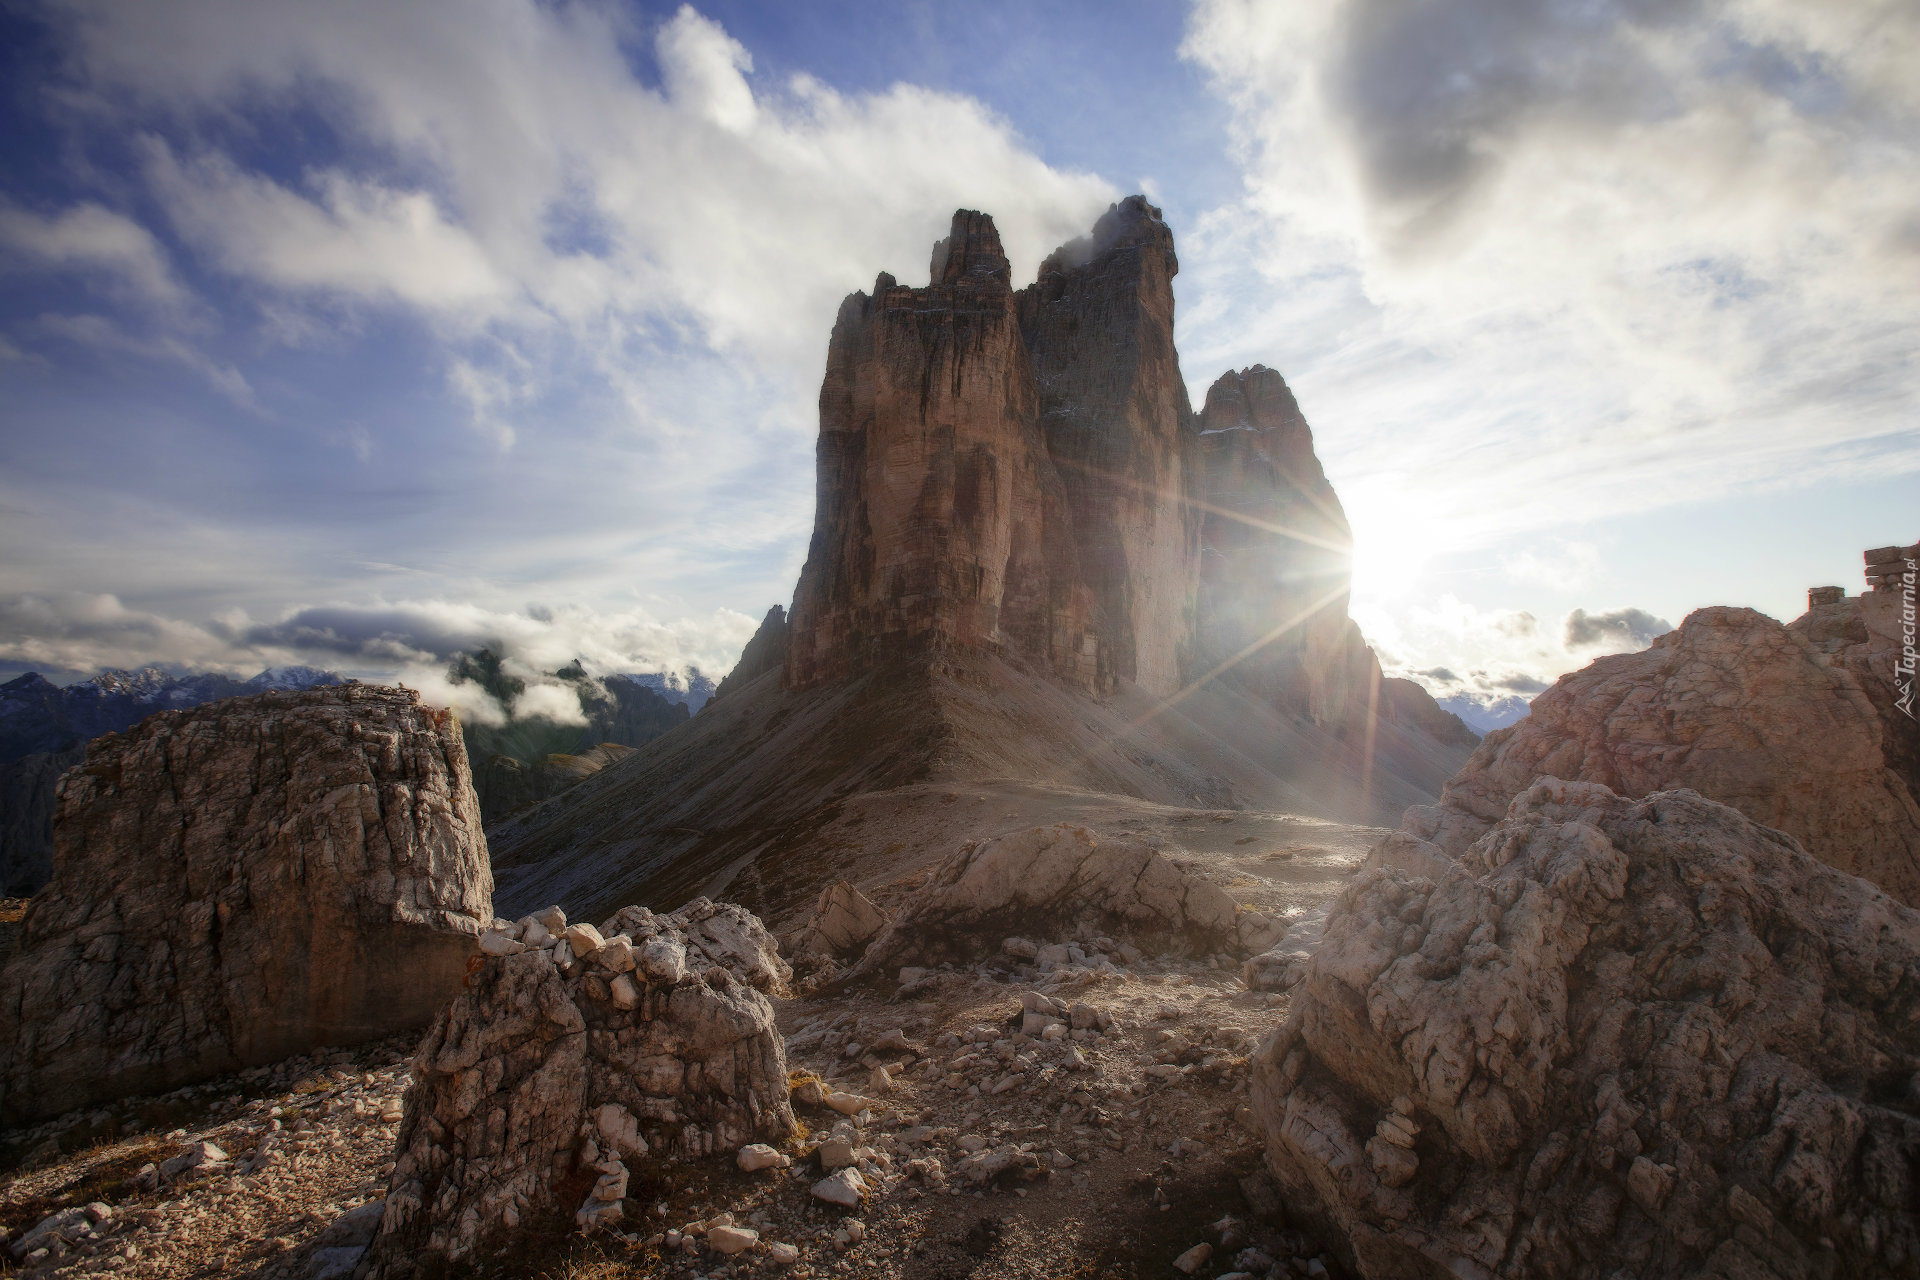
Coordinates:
<point>1618,631</point>
<point>92,238</point>
<point>1630,254</point>
<point>1491,656</point>
<point>507,174</point>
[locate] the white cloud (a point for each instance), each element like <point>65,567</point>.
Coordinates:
<point>409,640</point>
<point>1453,647</point>
<point>104,334</point>
<point>92,238</point>
<point>351,235</point>
<point>1540,264</point>
<point>507,172</point>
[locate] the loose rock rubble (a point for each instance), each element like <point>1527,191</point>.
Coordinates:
<point>274,1167</point>
<point>1615,1037</point>
<point>239,882</point>
<point>1061,882</point>
<point>579,1049</point>
<point>1112,1139</point>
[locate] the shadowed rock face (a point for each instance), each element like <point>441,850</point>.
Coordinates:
<point>241,882</point>
<point>935,494</point>
<point>1779,723</point>
<point>1119,429</point>
<point>1007,470</point>
<point>1613,1037</point>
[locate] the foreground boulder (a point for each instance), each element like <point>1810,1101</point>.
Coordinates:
<point>240,882</point>
<point>1615,1037</point>
<point>1777,722</point>
<point>1057,882</point>
<point>577,1059</point>
<point>844,920</point>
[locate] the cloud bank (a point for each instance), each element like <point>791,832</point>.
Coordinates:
<point>1629,254</point>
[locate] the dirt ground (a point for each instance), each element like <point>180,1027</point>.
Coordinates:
<point>1127,1148</point>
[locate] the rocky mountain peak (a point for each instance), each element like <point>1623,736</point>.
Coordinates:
<point>970,251</point>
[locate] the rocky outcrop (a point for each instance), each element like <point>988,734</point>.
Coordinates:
<point>26,818</point>
<point>239,882</point>
<point>1058,882</point>
<point>1732,705</point>
<point>1614,1037</point>
<point>936,505</point>
<point>766,651</point>
<point>1113,407</point>
<point>577,1057</point>
<point>44,729</point>
<point>1276,548</point>
<point>844,920</point>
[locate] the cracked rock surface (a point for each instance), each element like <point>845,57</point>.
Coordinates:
<point>1793,726</point>
<point>237,883</point>
<point>1616,1037</point>
<point>574,1053</point>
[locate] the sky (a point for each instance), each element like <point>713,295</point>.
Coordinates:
<point>362,333</point>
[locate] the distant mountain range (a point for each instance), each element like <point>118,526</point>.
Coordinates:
<point>689,688</point>
<point>37,715</point>
<point>45,728</point>
<point>532,757</point>
<point>1485,717</point>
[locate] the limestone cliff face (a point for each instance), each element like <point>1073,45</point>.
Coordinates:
<point>1274,557</point>
<point>934,492</point>
<point>239,882</point>
<point>1022,472</point>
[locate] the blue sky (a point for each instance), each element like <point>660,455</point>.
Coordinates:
<point>357,333</point>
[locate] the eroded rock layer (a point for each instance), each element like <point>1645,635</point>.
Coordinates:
<point>1055,881</point>
<point>1615,1037</point>
<point>237,883</point>
<point>574,1055</point>
<point>1779,723</point>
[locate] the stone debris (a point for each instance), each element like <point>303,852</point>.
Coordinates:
<point>756,1156</point>
<point>1193,1259</point>
<point>1281,967</point>
<point>198,1157</point>
<point>844,921</point>
<point>728,1241</point>
<point>1061,880</point>
<point>844,1188</point>
<point>537,1070</point>
<point>1607,1039</point>
<point>238,882</point>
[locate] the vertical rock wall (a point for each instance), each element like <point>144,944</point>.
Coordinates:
<point>240,882</point>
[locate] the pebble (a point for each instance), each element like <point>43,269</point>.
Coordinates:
<point>758,1155</point>
<point>843,1188</point>
<point>1193,1259</point>
<point>731,1240</point>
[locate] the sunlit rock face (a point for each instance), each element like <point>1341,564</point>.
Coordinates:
<point>1275,546</point>
<point>1779,722</point>
<point>1022,471</point>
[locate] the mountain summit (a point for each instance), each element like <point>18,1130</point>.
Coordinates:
<point>1032,566</point>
